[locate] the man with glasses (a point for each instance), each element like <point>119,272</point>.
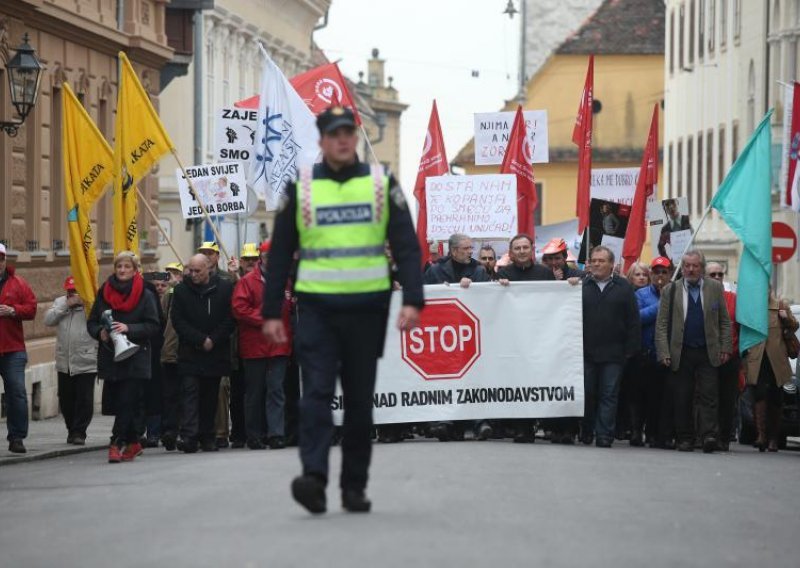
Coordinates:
<point>693,339</point>
<point>488,259</point>
<point>460,268</point>
<point>650,411</point>
<point>728,372</point>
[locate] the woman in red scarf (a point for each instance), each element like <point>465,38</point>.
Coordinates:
<point>135,314</point>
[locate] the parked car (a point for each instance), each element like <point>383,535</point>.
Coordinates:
<point>790,419</point>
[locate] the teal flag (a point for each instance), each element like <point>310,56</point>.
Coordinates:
<point>744,202</point>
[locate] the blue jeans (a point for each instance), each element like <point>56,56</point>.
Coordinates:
<point>601,386</point>
<point>12,369</point>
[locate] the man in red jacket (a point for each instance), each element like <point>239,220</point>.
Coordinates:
<point>17,303</point>
<point>264,362</point>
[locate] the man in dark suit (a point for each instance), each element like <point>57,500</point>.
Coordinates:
<point>693,338</point>
<point>675,222</point>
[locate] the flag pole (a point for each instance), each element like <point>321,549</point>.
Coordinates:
<point>160,228</point>
<point>691,240</point>
<point>202,206</point>
<point>369,145</point>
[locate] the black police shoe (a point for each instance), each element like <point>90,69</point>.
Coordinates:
<point>16,447</point>
<point>169,442</point>
<point>309,491</point>
<point>355,501</point>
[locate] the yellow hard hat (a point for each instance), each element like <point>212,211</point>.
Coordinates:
<point>177,266</point>
<point>208,245</point>
<point>249,250</point>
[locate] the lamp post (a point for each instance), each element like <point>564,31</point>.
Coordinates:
<point>511,10</point>
<point>24,76</point>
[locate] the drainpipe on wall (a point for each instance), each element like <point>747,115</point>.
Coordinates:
<point>198,104</point>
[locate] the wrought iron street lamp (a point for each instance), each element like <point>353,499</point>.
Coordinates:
<point>24,77</point>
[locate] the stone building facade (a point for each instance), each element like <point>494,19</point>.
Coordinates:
<point>78,42</point>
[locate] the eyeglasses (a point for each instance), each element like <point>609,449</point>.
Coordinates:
<point>487,258</point>
<point>716,274</point>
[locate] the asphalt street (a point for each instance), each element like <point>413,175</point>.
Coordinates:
<point>456,504</point>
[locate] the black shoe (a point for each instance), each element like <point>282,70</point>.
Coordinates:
<point>169,443</point>
<point>522,438</point>
<point>389,438</point>
<point>568,439</point>
<point>276,443</point>
<point>484,431</point>
<point>637,439</point>
<point>603,443</point>
<point>237,444</point>
<point>256,445</point>
<point>16,447</point>
<point>309,491</point>
<point>587,440</point>
<point>79,440</point>
<point>70,438</point>
<point>187,446</point>
<point>686,446</point>
<point>209,446</point>
<point>221,443</point>
<point>355,501</point>
<point>723,446</point>
<point>151,443</point>
<point>709,445</point>
<point>441,431</point>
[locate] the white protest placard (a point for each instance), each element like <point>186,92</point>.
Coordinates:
<point>493,129</point>
<point>619,185</point>
<point>482,206</point>
<point>615,244</point>
<point>678,243</point>
<point>221,188</point>
<point>234,133</point>
<point>476,355</point>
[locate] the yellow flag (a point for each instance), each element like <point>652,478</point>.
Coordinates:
<point>139,142</point>
<point>88,164</point>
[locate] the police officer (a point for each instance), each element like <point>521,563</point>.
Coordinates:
<point>339,217</point>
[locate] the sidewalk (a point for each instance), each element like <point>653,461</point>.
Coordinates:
<point>48,439</point>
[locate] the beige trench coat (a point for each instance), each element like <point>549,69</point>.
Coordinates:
<point>774,347</point>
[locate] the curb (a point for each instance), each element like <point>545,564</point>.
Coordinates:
<point>52,454</point>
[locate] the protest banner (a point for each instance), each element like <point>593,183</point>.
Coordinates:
<point>481,206</point>
<point>671,221</point>
<point>477,355</point>
<point>493,130</point>
<point>619,185</point>
<point>221,188</point>
<point>234,134</point>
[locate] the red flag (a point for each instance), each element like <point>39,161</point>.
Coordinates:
<point>432,163</point>
<point>517,161</point>
<point>792,191</point>
<point>250,103</point>
<point>648,177</point>
<point>322,86</point>
<point>582,136</point>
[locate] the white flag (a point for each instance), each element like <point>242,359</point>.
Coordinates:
<point>286,137</point>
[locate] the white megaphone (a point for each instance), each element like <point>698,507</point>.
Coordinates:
<point>123,348</point>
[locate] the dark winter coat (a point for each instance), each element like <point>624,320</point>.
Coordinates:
<point>199,312</point>
<point>143,327</point>
<point>525,273</point>
<point>611,325</point>
<point>443,272</point>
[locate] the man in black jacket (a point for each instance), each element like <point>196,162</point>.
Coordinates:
<point>460,268</point>
<point>611,334</point>
<point>201,315</point>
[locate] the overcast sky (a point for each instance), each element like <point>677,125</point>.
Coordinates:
<point>431,48</point>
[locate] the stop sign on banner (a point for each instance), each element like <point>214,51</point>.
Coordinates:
<point>784,242</point>
<point>446,343</point>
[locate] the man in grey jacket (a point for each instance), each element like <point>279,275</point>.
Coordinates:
<point>76,362</point>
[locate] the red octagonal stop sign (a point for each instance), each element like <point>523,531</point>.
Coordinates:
<point>446,343</point>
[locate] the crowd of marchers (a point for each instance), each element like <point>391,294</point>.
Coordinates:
<point>661,358</point>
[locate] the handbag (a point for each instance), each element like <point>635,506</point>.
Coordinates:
<point>791,342</point>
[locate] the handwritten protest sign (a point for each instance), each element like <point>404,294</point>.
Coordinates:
<point>234,134</point>
<point>221,188</point>
<point>492,130</point>
<point>482,206</point>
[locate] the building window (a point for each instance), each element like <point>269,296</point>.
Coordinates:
<point>104,215</point>
<point>701,28</point>
<point>692,20</point>
<point>751,98</point>
<point>679,170</point>
<point>681,34</point>
<point>712,25</point>
<point>737,19</point>
<point>58,210</point>
<point>721,155</point>
<point>670,172</point>
<point>699,189</point>
<point>723,23</point>
<point>226,77</point>
<point>672,41</point>
<point>210,102</point>
<point>709,167</point>
<point>690,173</point>
<point>734,140</point>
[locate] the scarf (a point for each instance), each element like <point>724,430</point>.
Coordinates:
<point>123,296</point>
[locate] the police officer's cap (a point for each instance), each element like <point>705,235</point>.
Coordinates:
<point>335,117</point>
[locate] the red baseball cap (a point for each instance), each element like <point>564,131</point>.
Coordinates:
<point>264,247</point>
<point>69,283</point>
<point>661,261</point>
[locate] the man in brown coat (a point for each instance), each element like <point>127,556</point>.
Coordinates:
<point>693,338</point>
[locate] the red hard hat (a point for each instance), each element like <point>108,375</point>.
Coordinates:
<point>554,246</point>
<point>69,283</point>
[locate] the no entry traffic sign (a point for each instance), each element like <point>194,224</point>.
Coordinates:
<point>784,242</point>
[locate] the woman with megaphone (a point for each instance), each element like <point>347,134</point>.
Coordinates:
<point>124,318</point>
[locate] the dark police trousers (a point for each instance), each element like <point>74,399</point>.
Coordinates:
<point>330,344</point>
